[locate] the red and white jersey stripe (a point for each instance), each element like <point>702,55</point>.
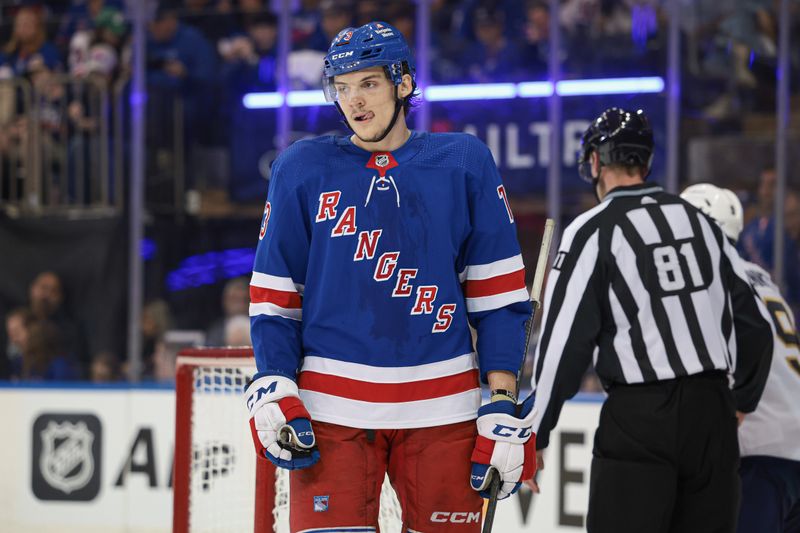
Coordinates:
<point>494,285</point>
<point>374,397</point>
<point>275,296</point>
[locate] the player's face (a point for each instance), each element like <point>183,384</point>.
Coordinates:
<point>367,100</point>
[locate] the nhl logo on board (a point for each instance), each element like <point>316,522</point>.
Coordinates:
<point>382,160</point>
<point>66,457</point>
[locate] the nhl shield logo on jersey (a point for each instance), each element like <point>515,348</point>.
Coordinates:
<point>66,458</point>
<point>381,161</point>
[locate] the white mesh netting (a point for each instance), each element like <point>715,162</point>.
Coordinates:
<point>222,485</point>
<point>222,475</point>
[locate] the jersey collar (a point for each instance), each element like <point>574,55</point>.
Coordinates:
<point>640,189</point>
<point>405,153</point>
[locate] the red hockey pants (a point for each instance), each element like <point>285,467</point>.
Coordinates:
<point>429,469</point>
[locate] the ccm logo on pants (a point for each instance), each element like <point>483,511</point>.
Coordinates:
<point>455,518</point>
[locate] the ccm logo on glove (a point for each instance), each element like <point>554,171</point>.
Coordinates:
<point>261,391</point>
<point>509,431</point>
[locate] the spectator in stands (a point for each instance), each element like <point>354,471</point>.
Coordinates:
<point>81,17</point>
<point>792,215</point>
<point>235,302</point>
<point>493,57</point>
<point>98,50</point>
<point>156,321</point>
<point>18,323</point>
<point>179,57</point>
<point>28,42</point>
<point>402,16</point>
<point>95,56</point>
<point>447,42</point>
<point>249,60</point>
<point>313,27</point>
<point>8,107</point>
<point>535,48</point>
<point>47,302</point>
<point>50,101</point>
<point>756,243</point>
<point>305,21</point>
<point>237,331</point>
<point>246,10</point>
<point>336,15</point>
<point>44,357</point>
<point>164,360</point>
<point>94,59</point>
<point>731,49</point>
<point>99,70</point>
<point>105,368</point>
<point>464,11</point>
<point>13,127</point>
<point>369,10</point>
<point>181,63</point>
<point>210,17</point>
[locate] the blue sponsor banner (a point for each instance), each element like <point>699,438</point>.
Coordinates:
<point>516,130</point>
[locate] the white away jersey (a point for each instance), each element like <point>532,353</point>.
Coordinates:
<point>370,269</point>
<point>774,427</point>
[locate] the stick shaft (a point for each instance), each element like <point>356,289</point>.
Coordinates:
<point>536,299</point>
<point>536,289</point>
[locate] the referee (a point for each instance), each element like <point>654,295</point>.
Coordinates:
<point>648,288</point>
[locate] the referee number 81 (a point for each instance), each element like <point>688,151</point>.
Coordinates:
<point>671,275</point>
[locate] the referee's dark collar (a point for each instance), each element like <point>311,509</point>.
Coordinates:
<point>640,189</point>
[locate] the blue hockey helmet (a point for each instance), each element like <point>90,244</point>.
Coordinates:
<point>376,44</point>
<point>619,137</point>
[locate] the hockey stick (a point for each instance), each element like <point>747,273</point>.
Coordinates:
<point>536,300</point>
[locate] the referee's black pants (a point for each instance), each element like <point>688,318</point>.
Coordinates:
<point>666,459</point>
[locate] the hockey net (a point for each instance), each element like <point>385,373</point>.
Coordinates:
<point>217,479</point>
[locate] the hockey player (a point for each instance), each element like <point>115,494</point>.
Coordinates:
<point>648,290</point>
<point>377,252</point>
<point>769,437</point>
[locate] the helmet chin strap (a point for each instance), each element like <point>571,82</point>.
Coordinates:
<point>398,106</point>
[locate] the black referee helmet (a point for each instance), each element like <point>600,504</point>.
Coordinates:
<point>620,137</point>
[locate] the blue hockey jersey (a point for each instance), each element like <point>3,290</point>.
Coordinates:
<point>371,266</point>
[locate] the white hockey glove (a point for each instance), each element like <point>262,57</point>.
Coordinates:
<point>280,424</point>
<point>505,445</point>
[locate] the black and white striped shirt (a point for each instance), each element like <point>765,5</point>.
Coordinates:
<point>650,288</point>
